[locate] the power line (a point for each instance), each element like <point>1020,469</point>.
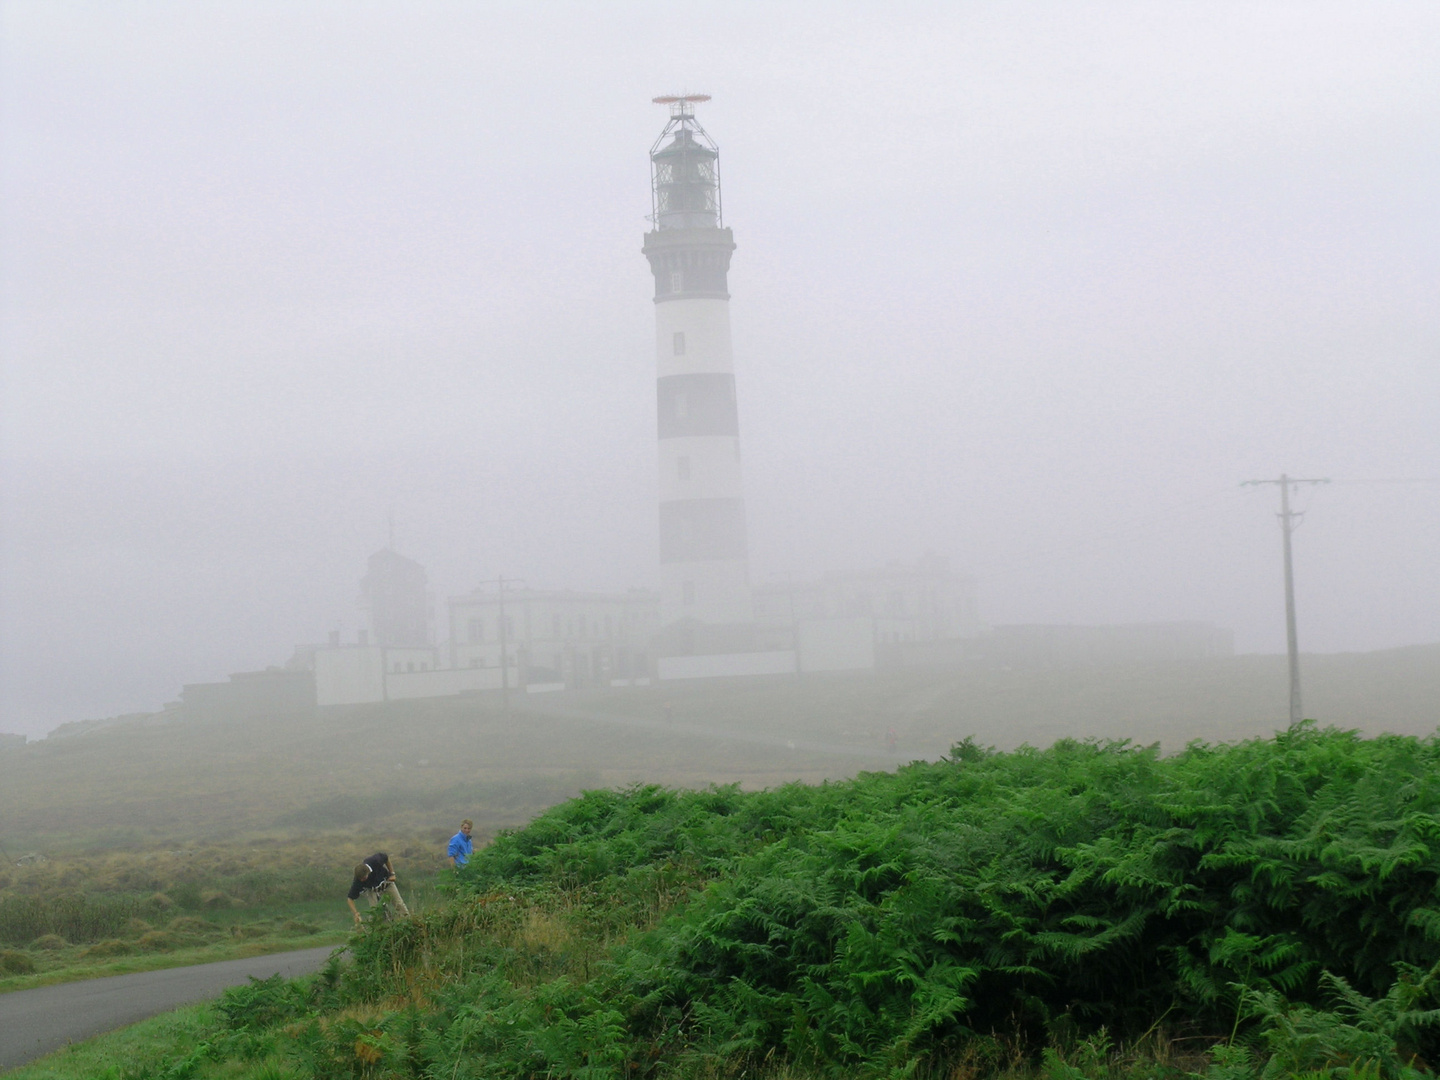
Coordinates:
<point>1288,521</point>
<point>1394,480</point>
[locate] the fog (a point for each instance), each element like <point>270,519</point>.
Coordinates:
<point>1031,286</point>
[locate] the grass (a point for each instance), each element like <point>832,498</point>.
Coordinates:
<point>152,1047</point>
<point>129,1052</point>
<point>1093,910</point>
<point>297,929</point>
<point>415,768</point>
<point>236,820</point>
<point>246,825</point>
<point>80,916</point>
<point>208,954</point>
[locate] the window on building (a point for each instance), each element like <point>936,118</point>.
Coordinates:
<point>476,629</point>
<point>677,281</point>
<point>410,666</point>
<point>682,467</point>
<point>682,406</point>
<point>679,342</point>
<point>687,593</point>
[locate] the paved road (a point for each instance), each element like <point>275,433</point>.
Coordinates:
<point>35,1022</point>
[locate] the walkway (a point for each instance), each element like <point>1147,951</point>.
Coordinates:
<point>35,1022</point>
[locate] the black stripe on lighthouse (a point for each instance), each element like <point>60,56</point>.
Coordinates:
<point>686,273</point>
<point>700,404</point>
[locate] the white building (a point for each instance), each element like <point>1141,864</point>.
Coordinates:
<point>363,673</point>
<point>914,601</point>
<point>556,638</point>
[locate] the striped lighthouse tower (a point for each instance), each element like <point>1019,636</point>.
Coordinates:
<point>705,603</point>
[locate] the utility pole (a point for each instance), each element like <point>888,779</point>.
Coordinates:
<point>794,621</point>
<point>1289,519</point>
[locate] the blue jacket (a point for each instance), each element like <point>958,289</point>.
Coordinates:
<point>460,848</point>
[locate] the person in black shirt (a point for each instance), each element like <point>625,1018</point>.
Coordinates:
<point>373,877</point>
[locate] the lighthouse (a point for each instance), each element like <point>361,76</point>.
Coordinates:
<point>705,600</point>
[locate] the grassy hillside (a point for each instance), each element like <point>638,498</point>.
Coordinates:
<point>84,914</point>
<point>413,768</point>
<point>244,820</point>
<point>1266,908</point>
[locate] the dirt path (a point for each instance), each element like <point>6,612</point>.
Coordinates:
<point>35,1022</point>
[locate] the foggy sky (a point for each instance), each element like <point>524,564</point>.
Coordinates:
<point>1032,286</point>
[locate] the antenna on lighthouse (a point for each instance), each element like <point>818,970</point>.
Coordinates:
<point>681,105</point>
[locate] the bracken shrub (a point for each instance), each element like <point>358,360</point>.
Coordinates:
<point>1278,897</point>
<point>892,917</point>
<point>261,1003</point>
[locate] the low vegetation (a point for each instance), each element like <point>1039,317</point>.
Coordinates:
<point>82,915</point>
<point>1265,908</point>
<point>413,768</point>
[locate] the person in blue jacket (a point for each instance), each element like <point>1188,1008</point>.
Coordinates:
<point>460,845</point>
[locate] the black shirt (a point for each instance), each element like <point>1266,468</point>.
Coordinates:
<point>378,875</point>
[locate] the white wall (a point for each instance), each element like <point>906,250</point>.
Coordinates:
<point>423,657</point>
<point>349,675</point>
<point>445,683</point>
<point>356,675</point>
<point>722,664</point>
